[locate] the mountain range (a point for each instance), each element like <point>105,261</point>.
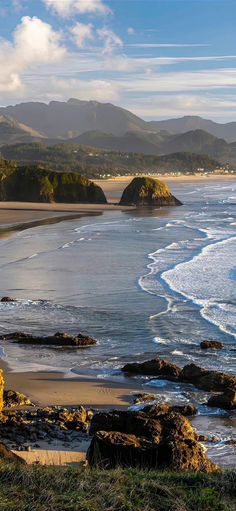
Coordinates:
<point>107,126</point>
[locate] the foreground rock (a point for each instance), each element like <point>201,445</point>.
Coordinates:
<point>215,345</point>
<point>146,191</point>
<point>155,367</point>
<point>137,440</point>
<point>59,339</point>
<point>14,399</point>
<point>7,455</point>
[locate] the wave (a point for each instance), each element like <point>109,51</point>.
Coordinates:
<point>202,280</point>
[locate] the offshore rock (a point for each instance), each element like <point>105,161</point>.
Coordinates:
<point>215,345</point>
<point>59,339</point>
<point>6,299</point>
<point>227,401</point>
<point>206,379</point>
<point>146,191</point>
<point>155,367</point>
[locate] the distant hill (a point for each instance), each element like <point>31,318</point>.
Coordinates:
<point>12,131</point>
<point>191,123</point>
<point>95,162</point>
<point>74,117</point>
<point>70,119</point>
<point>198,142</point>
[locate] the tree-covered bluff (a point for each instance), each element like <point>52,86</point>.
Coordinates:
<point>94,163</point>
<point>34,183</point>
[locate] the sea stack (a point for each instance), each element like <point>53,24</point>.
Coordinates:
<point>146,191</point>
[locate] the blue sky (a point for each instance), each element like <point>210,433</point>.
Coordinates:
<point>158,58</point>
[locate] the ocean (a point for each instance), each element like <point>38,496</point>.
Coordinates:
<point>144,283</point>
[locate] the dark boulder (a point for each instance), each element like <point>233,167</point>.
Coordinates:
<point>215,345</point>
<point>136,423</point>
<point>206,379</point>
<point>227,400</point>
<point>155,367</point>
<point>146,191</point>
<point>59,339</point>
<point>174,447</point>
<point>183,455</point>
<point>6,299</point>
<point>110,449</point>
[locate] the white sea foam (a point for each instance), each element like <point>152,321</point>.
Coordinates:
<point>205,279</point>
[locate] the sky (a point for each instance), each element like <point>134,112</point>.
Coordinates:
<point>158,58</point>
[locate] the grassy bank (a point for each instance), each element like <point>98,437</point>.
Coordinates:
<point>38,488</point>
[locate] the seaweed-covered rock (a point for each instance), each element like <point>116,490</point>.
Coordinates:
<point>146,191</point>
<point>59,339</point>
<point>215,345</point>
<point>155,367</point>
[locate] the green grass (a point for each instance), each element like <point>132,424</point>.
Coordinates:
<point>34,488</point>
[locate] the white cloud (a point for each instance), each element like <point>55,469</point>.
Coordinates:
<point>67,8</point>
<point>110,39</point>
<point>166,106</point>
<point>34,42</point>
<point>81,33</point>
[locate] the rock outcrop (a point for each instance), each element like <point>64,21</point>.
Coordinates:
<point>135,439</point>
<point>35,183</point>
<point>146,191</point>
<point>215,345</point>
<point>155,367</point>
<point>211,381</point>
<point>59,339</point>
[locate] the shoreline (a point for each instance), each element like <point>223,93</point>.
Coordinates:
<point>52,388</point>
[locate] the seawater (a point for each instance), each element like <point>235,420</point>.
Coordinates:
<point>144,283</point>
